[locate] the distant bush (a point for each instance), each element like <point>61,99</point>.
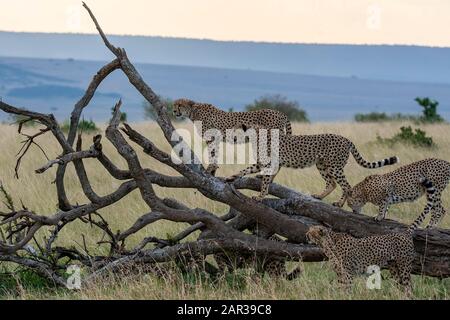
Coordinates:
<point>429,112</point>
<point>381,117</point>
<point>406,135</point>
<point>150,113</point>
<point>83,126</point>
<point>278,102</point>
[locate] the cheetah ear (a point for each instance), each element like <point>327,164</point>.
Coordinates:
<point>189,102</point>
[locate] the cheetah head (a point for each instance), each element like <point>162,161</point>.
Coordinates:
<point>357,196</point>
<point>182,108</point>
<point>317,234</point>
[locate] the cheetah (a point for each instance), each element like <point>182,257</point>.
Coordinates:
<point>329,152</point>
<point>350,256</point>
<point>212,117</point>
<point>405,184</point>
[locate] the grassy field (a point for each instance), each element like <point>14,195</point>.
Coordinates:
<point>317,281</point>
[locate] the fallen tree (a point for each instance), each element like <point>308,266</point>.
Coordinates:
<point>278,226</point>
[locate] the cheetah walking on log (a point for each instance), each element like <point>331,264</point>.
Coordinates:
<point>214,118</point>
<point>405,184</point>
<point>329,152</point>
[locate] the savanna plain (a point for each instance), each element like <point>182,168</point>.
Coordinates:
<point>317,280</point>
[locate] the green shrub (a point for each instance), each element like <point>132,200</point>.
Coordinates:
<point>83,126</point>
<point>429,112</point>
<point>278,102</point>
<point>150,113</point>
<point>27,278</point>
<point>406,135</point>
<point>371,117</point>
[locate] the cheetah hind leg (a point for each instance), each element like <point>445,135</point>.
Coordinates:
<point>393,270</point>
<point>330,183</point>
<point>404,276</point>
<point>441,215</point>
<point>338,175</point>
<point>437,214</point>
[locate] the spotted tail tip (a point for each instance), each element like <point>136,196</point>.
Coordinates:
<point>394,160</point>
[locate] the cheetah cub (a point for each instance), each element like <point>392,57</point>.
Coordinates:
<point>212,117</point>
<point>405,184</point>
<point>328,152</point>
<point>350,256</point>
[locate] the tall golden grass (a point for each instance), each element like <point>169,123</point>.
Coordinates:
<point>316,282</point>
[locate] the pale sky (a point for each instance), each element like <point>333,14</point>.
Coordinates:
<point>421,22</point>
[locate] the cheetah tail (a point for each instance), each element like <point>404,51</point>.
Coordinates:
<point>430,191</point>
<point>372,165</point>
<point>288,128</point>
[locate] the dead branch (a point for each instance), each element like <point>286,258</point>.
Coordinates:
<point>93,152</point>
<point>26,144</point>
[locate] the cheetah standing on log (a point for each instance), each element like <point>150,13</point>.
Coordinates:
<point>214,118</point>
<point>350,256</point>
<point>329,152</point>
<point>406,184</point>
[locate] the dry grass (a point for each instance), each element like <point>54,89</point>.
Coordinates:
<point>317,281</point>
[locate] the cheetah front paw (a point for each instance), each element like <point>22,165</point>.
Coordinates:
<point>316,196</point>
<point>378,218</point>
<point>231,179</point>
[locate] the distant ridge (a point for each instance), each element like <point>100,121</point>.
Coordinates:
<point>216,40</point>
<point>382,62</point>
<point>54,85</point>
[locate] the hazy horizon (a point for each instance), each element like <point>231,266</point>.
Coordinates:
<point>403,22</point>
<point>216,40</point>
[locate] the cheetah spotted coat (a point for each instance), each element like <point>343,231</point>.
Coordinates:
<point>405,184</point>
<point>350,256</point>
<point>214,118</point>
<point>329,152</point>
